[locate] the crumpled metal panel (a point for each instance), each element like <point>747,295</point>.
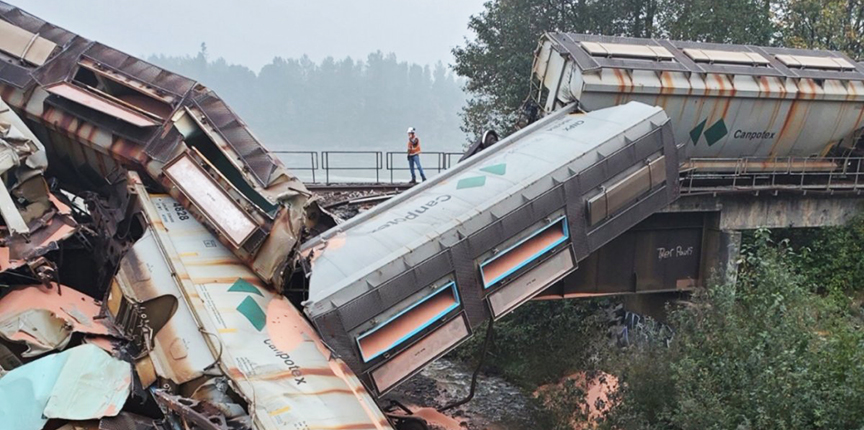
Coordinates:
<point>36,220</point>
<point>238,135</point>
<point>81,383</point>
<point>76,312</point>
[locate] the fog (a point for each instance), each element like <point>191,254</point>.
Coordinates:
<point>252,33</point>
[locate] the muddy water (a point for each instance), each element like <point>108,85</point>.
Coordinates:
<point>497,404</point>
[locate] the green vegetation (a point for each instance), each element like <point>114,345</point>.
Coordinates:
<point>830,258</point>
<point>767,352</point>
<point>297,104</point>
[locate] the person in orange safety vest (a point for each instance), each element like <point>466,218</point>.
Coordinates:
<point>414,154</point>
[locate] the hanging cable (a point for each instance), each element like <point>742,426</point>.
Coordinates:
<point>489,335</point>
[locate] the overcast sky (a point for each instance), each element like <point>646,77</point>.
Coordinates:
<point>253,32</point>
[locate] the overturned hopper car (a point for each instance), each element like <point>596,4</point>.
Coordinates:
<point>726,101</point>
<point>398,286</point>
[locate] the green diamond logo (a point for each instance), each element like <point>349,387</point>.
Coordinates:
<point>476,181</point>
<point>696,133</point>
<point>713,134</point>
<point>250,309</point>
<point>497,169</point>
<point>716,132</point>
<point>243,286</point>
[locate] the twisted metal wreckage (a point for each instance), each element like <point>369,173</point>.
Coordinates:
<point>147,236</point>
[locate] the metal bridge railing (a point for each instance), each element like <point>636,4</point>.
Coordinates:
<point>354,156</point>
<point>788,173</point>
<point>293,155</point>
<point>697,174</point>
<point>398,162</point>
<point>366,166</point>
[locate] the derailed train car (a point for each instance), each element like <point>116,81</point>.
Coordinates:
<point>400,285</point>
<point>213,322</point>
<point>100,112</point>
<point>726,101</point>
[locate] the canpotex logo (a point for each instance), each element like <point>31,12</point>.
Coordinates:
<point>249,308</point>
<point>712,135</point>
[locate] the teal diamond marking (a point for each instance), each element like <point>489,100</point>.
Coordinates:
<point>243,286</point>
<point>696,133</point>
<point>716,132</point>
<point>497,169</point>
<point>250,309</point>
<point>477,181</point>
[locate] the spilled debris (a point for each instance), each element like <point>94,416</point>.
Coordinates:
<point>35,220</point>
<point>44,319</point>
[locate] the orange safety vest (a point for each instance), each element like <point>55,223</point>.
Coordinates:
<point>413,145</point>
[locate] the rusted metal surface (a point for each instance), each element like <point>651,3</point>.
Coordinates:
<point>790,175</point>
<point>24,45</point>
<point>35,220</point>
<point>99,110</point>
<point>194,306</point>
<point>167,333</point>
<point>196,227</point>
<point>724,100</point>
<point>74,312</point>
<point>763,165</point>
<point>101,104</point>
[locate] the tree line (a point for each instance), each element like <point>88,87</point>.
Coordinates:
<point>347,104</point>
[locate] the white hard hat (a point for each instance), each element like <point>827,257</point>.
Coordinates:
<point>410,129</point>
